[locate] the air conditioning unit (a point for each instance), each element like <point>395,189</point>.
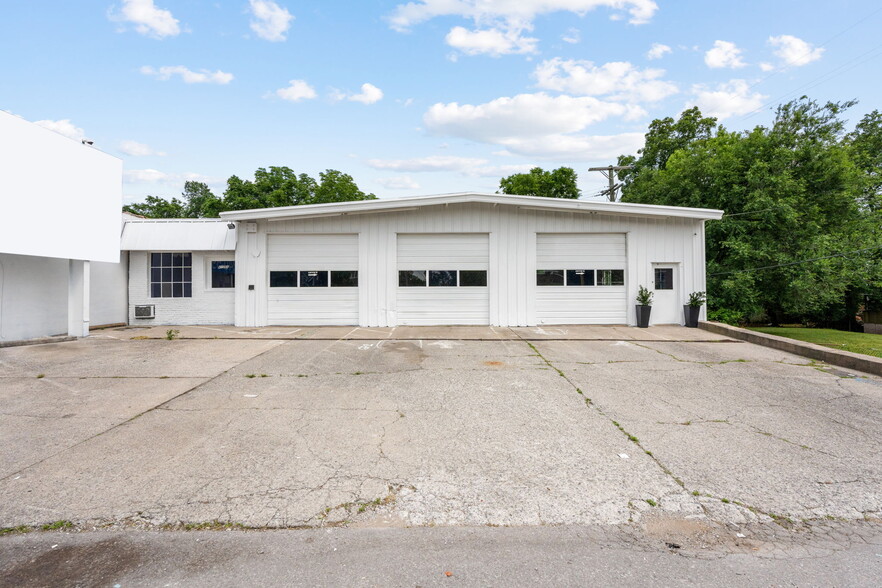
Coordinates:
<point>146,311</point>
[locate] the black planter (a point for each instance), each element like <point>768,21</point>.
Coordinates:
<point>643,316</point>
<point>691,313</point>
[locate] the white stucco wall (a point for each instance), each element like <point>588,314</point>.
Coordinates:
<point>108,292</point>
<point>205,307</point>
<point>33,296</point>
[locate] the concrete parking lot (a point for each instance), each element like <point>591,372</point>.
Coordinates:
<point>422,427</point>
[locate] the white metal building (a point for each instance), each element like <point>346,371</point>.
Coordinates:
<point>469,258</point>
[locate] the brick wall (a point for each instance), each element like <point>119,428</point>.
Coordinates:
<point>205,307</point>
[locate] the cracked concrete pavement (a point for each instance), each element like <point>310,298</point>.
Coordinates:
<point>317,431</point>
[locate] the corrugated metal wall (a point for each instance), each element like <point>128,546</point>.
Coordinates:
<point>512,248</point>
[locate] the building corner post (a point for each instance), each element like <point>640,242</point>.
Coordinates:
<point>78,298</point>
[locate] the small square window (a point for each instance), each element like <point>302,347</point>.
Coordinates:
<point>223,274</point>
<point>664,278</point>
<point>580,277</point>
<point>411,278</point>
<point>549,277</point>
<point>442,278</point>
<point>314,279</point>
<point>473,277</point>
<point>283,279</point>
<point>607,277</point>
<point>344,279</point>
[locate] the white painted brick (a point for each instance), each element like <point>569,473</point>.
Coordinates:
<point>205,307</point>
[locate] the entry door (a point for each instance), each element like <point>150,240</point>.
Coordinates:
<point>666,306</point>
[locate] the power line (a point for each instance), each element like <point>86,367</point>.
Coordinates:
<point>754,269</point>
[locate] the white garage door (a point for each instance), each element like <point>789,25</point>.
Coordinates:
<point>580,279</point>
<point>313,279</point>
<point>442,279</point>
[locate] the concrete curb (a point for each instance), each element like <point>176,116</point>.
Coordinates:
<point>40,341</point>
<point>846,359</point>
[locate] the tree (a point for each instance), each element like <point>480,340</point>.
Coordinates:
<point>559,183</point>
<point>792,194</point>
<point>157,207</point>
<point>271,187</point>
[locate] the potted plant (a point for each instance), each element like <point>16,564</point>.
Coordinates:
<point>644,307</point>
<point>692,308</point>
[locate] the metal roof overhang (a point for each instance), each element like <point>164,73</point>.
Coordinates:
<point>178,235</point>
<point>535,203</point>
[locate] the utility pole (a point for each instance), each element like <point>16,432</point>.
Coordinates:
<point>609,173</point>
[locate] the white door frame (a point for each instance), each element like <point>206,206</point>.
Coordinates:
<point>667,304</point>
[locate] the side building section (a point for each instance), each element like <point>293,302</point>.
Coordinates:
<point>181,272</point>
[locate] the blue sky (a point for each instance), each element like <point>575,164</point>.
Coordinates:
<point>412,98</point>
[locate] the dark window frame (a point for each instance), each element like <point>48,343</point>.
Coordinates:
<point>572,277</point>
<point>599,281</point>
<point>667,284</point>
<point>171,274</point>
<point>286,275</point>
<point>561,273</point>
<point>473,274</point>
<point>213,283</point>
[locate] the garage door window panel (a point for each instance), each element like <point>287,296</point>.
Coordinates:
<point>313,279</point>
<point>607,277</point>
<point>411,278</point>
<point>580,277</point>
<point>283,279</point>
<point>473,278</point>
<point>344,279</point>
<point>442,278</point>
<point>549,277</point>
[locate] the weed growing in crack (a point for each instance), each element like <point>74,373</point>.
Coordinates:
<point>725,500</point>
<point>696,493</point>
<point>651,502</point>
<point>41,376</point>
<point>250,375</point>
<point>172,334</point>
<point>62,524</point>
<point>264,375</point>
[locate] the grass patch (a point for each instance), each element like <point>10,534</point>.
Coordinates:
<point>863,343</point>
<point>57,525</point>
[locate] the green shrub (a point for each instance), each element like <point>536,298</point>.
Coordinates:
<point>725,315</point>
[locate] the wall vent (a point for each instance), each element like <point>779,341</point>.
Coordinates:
<point>146,311</point>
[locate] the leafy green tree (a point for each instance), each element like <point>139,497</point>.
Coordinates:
<point>157,207</point>
<point>559,183</point>
<point>792,193</point>
<point>271,187</point>
<point>866,146</point>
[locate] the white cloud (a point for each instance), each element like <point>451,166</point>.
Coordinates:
<point>147,18</point>
<point>657,51</point>
<point>794,51</point>
<point>270,21</point>
<point>524,115</point>
<point>155,176</point>
<point>537,125</point>
<point>572,36</point>
<point>296,91</point>
<point>724,54</point>
<point>578,147</point>
<point>369,94</point>
<point>398,183</point>
<point>618,80</point>
<point>146,176</point>
<point>188,76</point>
<point>136,149</point>
<point>63,127</point>
<point>520,12</point>
<point>431,163</point>
<point>472,167</point>
<point>493,41</point>
<point>727,99</point>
